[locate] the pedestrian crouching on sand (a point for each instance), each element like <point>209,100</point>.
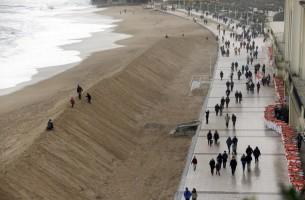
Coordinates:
<point>72,102</point>
<point>194,194</point>
<point>79,91</point>
<point>187,194</point>
<point>88,96</point>
<point>50,125</point>
<point>194,163</point>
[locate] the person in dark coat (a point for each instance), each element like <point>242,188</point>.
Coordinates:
<point>194,194</point>
<point>228,92</point>
<point>212,165</point>
<point>219,159</point>
<point>187,194</point>
<point>249,150</point>
<point>194,163</point>
<point>207,113</point>
<point>258,86</point>
<point>222,101</point>
<point>256,154</point>
<point>220,110</point>
<point>243,162</point>
<point>299,141</point>
<point>209,137</point>
<point>232,85</point>
<point>228,85</point>
<point>233,164</point>
<point>216,136</point>
<point>221,75</point>
<point>88,96</point>
<point>233,120</point>
<point>239,74</point>
<point>229,143</point>
<point>224,159</point>
<point>79,91</point>
<point>240,97</point>
<point>227,120</point>
<point>50,125</point>
<point>236,96</point>
<point>217,107</point>
<point>249,160</point>
<point>218,167</point>
<point>234,145</point>
<point>227,101</point>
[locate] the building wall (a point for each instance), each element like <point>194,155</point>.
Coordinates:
<point>295,37</point>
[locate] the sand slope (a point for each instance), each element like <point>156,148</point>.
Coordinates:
<point>118,147</point>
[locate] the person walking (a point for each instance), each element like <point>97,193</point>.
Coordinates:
<point>233,164</point>
<point>227,101</point>
<point>88,96</point>
<point>229,143</point>
<point>228,85</point>
<point>212,165</point>
<point>234,145</point>
<point>236,96</point>
<point>299,141</point>
<point>219,159</point>
<point>240,97</point>
<point>216,136</point>
<point>227,119</point>
<point>194,194</point>
<point>207,113</point>
<point>258,86</point>
<point>232,85</point>
<point>249,150</point>
<point>224,159</point>
<point>239,74</point>
<point>222,101</point>
<point>233,120</point>
<point>228,92</point>
<point>217,107</point>
<point>72,102</point>
<point>221,75</point>
<point>220,110</point>
<point>256,154</point>
<point>249,160</point>
<point>79,91</point>
<point>187,194</point>
<point>209,137</point>
<point>194,163</point>
<point>218,167</point>
<point>243,162</point>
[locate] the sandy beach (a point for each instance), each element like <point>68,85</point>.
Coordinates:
<point>118,147</point>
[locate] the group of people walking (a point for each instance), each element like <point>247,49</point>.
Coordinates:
<point>79,91</point>
<point>230,158</point>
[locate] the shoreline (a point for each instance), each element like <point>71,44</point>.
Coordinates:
<point>140,91</point>
<point>85,48</point>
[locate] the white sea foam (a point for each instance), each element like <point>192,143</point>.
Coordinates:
<point>35,34</point>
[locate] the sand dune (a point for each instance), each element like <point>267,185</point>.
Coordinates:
<point>118,147</point>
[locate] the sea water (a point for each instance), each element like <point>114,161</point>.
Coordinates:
<point>33,34</point>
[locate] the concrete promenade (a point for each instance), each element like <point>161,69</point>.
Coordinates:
<point>262,182</point>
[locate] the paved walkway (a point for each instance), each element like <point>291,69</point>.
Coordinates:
<point>264,178</point>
